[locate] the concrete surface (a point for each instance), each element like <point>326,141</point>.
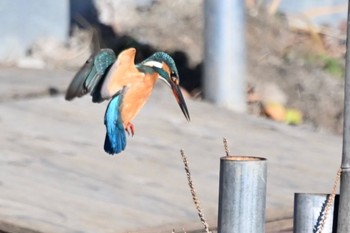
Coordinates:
<point>55,176</point>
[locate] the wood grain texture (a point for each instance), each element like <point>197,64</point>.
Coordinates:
<point>56,178</point>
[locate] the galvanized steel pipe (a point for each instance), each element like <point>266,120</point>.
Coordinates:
<point>344,203</point>
<point>224,53</point>
<point>242,194</point>
<point>309,210</point>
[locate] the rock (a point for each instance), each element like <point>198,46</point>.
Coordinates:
<point>270,92</point>
<point>165,25</point>
<point>275,111</point>
<point>293,116</point>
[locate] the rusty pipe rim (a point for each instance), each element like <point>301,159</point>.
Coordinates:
<point>243,158</point>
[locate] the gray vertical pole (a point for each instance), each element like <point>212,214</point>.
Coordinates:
<point>344,202</point>
<point>308,209</point>
<point>224,53</point>
<point>242,195</point>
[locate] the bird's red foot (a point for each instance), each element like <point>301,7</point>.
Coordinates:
<point>130,127</point>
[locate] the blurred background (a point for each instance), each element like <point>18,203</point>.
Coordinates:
<point>286,59</point>
<point>294,50</point>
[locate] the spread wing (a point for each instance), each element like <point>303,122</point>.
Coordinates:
<point>91,76</point>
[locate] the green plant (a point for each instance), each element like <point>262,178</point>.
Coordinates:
<point>329,64</point>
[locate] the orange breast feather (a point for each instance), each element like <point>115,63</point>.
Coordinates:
<point>136,96</point>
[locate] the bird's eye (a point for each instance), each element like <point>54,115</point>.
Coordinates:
<point>174,78</point>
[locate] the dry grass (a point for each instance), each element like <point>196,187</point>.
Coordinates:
<point>330,201</point>
<point>194,194</point>
<point>226,147</point>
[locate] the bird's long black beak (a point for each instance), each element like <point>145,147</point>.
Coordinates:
<point>180,99</point>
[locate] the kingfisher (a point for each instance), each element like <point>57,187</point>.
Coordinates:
<point>127,85</point>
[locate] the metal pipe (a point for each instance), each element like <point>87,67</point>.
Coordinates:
<point>242,194</point>
<point>344,203</point>
<point>224,53</point>
<point>309,210</point>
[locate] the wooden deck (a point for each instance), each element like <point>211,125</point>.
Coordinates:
<point>56,178</point>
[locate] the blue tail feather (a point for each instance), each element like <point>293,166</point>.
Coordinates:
<point>115,141</point>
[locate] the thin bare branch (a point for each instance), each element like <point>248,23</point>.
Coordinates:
<point>329,202</point>
<point>226,147</point>
<point>194,194</point>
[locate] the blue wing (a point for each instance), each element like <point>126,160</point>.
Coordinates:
<point>115,140</point>
<point>91,76</point>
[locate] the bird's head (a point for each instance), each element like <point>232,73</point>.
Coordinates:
<point>163,64</point>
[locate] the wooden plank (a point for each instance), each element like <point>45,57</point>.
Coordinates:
<point>55,176</point>
<point>30,83</point>
<point>276,221</point>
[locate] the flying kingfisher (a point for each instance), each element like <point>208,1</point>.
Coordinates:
<point>127,85</point>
